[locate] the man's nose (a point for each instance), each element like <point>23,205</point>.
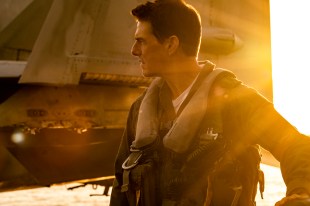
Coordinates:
<point>135,50</point>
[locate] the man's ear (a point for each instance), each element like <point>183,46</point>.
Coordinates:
<point>173,44</point>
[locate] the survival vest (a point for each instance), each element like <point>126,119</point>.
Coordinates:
<point>212,167</point>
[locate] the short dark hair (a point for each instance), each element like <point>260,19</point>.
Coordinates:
<point>172,17</point>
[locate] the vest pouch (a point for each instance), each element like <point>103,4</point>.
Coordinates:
<point>143,179</point>
<point>236,182</point>
<point>139,180</point>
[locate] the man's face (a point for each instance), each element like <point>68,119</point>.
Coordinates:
<point>153,55</point>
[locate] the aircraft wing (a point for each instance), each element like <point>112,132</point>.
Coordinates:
<point>83,36</point>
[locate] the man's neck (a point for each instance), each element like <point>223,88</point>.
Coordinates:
<point>184,75</point>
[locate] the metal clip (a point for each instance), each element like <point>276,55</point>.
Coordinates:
<point>212,135</point>
<point>130,158</point>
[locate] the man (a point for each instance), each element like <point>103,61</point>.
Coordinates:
<point>190,142</point>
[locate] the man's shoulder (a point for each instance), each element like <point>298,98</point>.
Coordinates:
<point>226,79</point>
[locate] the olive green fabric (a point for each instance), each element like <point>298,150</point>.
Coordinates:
<point>246,118</point>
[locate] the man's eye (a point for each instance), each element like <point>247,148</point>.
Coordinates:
<point>140,41</point>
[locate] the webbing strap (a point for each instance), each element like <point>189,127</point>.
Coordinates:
<point>125,185</point>
<point>130,163</point>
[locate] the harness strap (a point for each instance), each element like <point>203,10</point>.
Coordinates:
<point>238,191</point>
<point>138,195</point>
<point>125,185</point>
<point>209,192</point>
<point>261,181</point>
<point>131,161</point>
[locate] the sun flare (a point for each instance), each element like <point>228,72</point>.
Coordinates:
<point>290,43</point>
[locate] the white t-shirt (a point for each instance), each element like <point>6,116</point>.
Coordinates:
<point>178,101</point>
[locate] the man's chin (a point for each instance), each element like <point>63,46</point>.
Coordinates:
<point>145,73</point>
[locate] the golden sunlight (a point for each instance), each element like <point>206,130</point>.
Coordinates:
<point>290,40</point>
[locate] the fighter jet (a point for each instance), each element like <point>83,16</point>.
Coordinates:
<point>68,80</point>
